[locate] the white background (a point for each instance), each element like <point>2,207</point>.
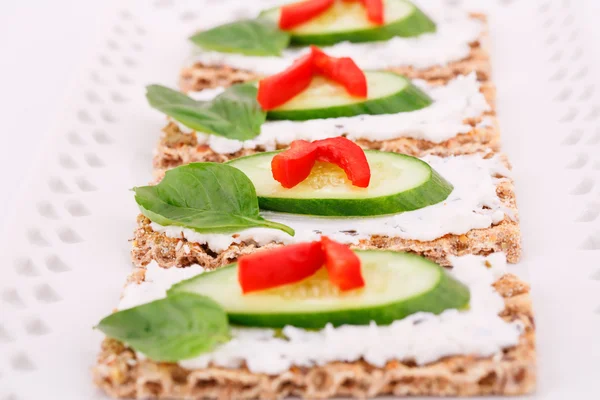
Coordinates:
<point>43,43</point>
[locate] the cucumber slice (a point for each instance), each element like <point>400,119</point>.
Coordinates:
<point>347,21</point>
<point>398,183</point>
<point>388,93</point>
<point>396,285</point>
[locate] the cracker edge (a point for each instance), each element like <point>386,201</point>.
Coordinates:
<point>148,245</point>
<point>512,372</point>
<point>198,76</point>
<point>176,148</point>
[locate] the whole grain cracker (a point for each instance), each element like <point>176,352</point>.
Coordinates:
<point>512,372</point>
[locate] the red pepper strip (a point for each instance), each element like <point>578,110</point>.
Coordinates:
<point>277,89</point>
<point>294,165</point>
<point>343,265</point>
<point>347,155</point>
<point>295,14</point>
<point>374,10</point>
<point>277,267</point>
<point>341,70</point>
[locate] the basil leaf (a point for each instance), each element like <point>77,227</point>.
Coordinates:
<point>206,197</point>
<point>254,37</point>
<point>178,327</point>
<point>234,114</point>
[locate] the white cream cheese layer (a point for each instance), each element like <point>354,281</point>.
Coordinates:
<point>455,31</point>
<point>156,283</point>
<point>473,204</point>
<point>453,103</point>
<point>421,337</point>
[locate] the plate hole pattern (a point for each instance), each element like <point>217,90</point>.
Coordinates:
<point>592,242</point>
<point>69,236</point>
<point>105,61</point>
<point>56,264</point>
<point>108,116</point>
<point>47,210</point>
<point>74,139</point>
<point>85,117</point>
<point>36,327</point>
<point>67,198</point>
<point>77,209</point>
<point>67,162</point>
<point>590,213</point>
<point>117,97</point>
<point>57,185</point>
<point>5,337</point>
<point>45,294</point>
<point>22,362</point>
<point>35,237</point>
<point>594,138</point>
<point>101,137</point>
<point>584,187</point>
<point>11,297</point>
<point>578,114</point>
<point>93,160</point>
<point>25,267</point>
<point>85,185</point>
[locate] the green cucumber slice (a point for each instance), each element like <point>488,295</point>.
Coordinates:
<point>396,285</point>
<point>347,21</point>
<point>388,93</point>
<point>398,183</point>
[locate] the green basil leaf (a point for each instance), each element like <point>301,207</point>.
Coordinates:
<point>255,37</point>
<point>234,114</point>
<point>178,327</point>
<point>206,197</point>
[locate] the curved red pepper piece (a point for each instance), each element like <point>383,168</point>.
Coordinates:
<point>348,156</point>
<point>343,265</point>
<point>279,88</point>
<point>374,8</point>
<point>290,264</point>
<point>341,70</point>
<point>293,166</point>
<point>292,15</point>
<point>277,267</point>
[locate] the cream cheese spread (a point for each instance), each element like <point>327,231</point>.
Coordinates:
<point>455,30</point>
<point>453,103</point>
<point>473,204</point>
<point>422,337</point>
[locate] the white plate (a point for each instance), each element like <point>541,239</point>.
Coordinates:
<point>66,255</point>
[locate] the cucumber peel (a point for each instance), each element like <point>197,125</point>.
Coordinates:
<point>397,285</point>
<point>347,21</point>
<point>399,183</point>
<point>388,93</point>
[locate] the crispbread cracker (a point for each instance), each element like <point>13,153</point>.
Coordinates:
<point>149,245</point>
<point>177,148</point>
<point>198,76</point>
<point>121,374</point>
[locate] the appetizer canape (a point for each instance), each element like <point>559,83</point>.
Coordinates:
<point>210,213</point>
<point>318,97</point>
<point>438,44</point>
<point>316,320</point>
